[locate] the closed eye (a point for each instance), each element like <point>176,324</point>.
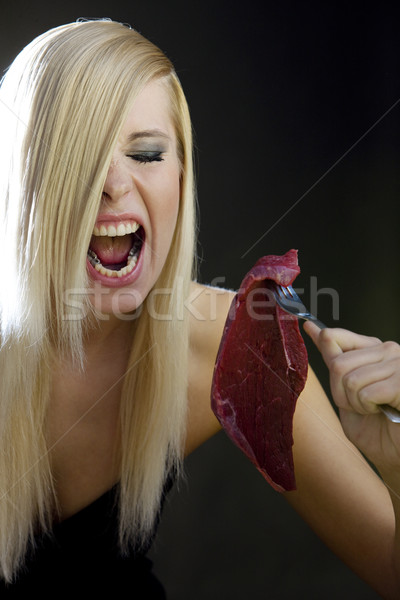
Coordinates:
<point>147,157</point>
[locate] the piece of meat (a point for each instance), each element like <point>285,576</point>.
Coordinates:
<point>260,370</point>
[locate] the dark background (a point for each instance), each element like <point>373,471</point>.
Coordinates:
<point>293,105</point>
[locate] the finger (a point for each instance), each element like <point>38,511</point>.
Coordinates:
<point>360,363</point>
<point>333,341</point>
<point>355,370</point>
<point>381,392</point>
<point>362,366</point>
<point>347,340</point>
<point>374,384</point>
<point>326,345</point>
<point>312,330</point>
<point>362,388</point>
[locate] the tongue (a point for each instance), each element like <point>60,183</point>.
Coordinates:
<point>111,250</point>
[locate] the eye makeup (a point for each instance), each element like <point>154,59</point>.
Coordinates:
<point>146,156</point>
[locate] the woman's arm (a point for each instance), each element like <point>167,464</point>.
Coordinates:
<point>338,493</point>
<point>363,373</point>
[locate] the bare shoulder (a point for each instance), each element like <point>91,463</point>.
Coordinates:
<point>208,308</point>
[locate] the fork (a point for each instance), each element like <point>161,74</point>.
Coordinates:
<point>288,299</point>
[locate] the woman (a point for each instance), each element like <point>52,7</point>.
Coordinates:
<point>108,347</point>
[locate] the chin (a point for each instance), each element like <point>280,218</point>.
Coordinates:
<point>123,305</point>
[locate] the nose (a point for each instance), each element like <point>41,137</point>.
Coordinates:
<point>118,182</point>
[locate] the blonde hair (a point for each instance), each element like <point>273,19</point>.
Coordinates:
<point>62,105</point>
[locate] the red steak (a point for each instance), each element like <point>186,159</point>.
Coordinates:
<point>260,370</point>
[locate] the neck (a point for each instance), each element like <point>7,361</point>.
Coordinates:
<point>108,335</point>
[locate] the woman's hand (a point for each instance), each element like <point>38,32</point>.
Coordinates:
<point>364,372</point>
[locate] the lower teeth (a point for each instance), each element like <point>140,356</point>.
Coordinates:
<point>95,262</point>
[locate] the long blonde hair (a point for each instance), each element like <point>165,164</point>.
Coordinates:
<point>62,104</point>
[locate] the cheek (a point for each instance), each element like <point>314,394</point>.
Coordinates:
<point>166,212</point>
<point>175,204</point>
<point>173,197</point>
<point>168,225</point>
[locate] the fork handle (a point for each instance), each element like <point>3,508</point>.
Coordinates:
<point>392,413</point>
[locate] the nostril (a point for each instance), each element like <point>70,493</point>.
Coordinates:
<point>106,198</point>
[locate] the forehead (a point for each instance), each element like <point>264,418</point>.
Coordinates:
<point>150,110</point>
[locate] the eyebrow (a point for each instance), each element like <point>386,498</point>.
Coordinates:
<point>148,133</point>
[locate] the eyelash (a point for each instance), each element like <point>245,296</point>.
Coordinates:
<point>146,157</point>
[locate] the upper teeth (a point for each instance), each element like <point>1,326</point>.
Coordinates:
<point>116,230</point>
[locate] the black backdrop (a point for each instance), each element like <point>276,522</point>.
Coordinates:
<point>296,121</point>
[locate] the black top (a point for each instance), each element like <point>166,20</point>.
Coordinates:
<point>82,555</point>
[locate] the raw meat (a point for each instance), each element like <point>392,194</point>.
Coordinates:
<point>260,370</point>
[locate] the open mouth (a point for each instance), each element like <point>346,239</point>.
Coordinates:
<point>115,248</point>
